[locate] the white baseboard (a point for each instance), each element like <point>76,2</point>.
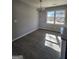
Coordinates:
<point>24,34</point>
<point>49,29</point>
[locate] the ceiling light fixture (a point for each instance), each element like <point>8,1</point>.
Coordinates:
<point>41,7</point>
<point>40,3</point>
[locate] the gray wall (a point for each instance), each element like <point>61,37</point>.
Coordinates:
<point>24,20</point>
<point>43,16</point>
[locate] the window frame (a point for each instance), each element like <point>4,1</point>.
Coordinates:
<point>47,17</point>
<point>55,16</point>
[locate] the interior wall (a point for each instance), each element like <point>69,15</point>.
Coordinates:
<point>43,18</point>
<point>24,20</point>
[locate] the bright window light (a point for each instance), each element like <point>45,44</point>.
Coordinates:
<point>60,17</point>
<point>56,17</point>
<point>50,17</point>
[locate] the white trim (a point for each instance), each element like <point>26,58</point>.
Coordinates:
<point>49,29</point>
<point>24,34</point>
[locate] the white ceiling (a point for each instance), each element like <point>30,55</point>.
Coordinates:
<point>45,3</point>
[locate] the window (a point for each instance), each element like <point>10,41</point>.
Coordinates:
<point>60,17</point>
<point>56,17</point>
<point>50,17</point>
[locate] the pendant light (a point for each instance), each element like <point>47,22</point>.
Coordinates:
<point>41,7</point>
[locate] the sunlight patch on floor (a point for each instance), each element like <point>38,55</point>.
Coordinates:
<point>50,37</point>
<point>51,41</point>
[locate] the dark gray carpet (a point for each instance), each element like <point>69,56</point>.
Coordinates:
<point>33,46</point>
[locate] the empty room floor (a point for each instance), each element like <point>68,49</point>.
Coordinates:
<point>40,44</point>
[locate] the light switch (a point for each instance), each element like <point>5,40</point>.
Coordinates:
<point>15,21</point>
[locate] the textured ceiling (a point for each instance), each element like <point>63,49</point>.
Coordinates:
<point>45,3</point>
